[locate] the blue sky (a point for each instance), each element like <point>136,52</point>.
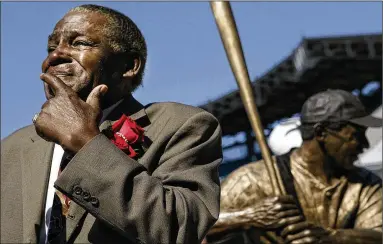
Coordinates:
<point>187,62</point>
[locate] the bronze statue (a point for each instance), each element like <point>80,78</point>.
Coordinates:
<point>330,200</point>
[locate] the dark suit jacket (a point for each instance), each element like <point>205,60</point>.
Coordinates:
<point>170,195</point>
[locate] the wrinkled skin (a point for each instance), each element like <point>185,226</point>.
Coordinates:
<point>82,74</point>
<point>80,117</point>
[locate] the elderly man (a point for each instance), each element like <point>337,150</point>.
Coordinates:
<point>97,166</point>
<point>330,200</point>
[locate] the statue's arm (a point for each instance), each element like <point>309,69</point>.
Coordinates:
<point>231,220</point>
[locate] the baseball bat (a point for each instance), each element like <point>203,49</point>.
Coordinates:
<point>229,34</point>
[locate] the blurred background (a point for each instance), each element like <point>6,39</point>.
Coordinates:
<point>292,49</point>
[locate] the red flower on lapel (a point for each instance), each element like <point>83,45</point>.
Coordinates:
<point>127,135</point>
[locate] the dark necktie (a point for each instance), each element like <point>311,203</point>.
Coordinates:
<point>57,224</point>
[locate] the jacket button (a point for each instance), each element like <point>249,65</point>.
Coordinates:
<point>86,195</point>
<point>94,201</point>
<point>77,190</point>
<point>70,216</point>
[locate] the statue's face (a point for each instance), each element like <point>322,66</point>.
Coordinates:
<point>345,145</point>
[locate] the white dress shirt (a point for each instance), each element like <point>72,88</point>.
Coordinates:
<point>58,153</point>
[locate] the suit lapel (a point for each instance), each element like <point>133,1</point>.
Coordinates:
<point>128,106</point>
<point>35,175</point>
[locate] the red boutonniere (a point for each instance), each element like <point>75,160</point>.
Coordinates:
<point>127,136</point>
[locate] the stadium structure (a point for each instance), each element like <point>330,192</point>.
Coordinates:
<point>352,63</point>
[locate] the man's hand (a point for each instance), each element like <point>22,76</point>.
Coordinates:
<point>66,119</point>
<point>305,232</point>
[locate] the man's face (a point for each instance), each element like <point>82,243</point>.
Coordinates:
<point>79,53</point>
<point>345,145</point>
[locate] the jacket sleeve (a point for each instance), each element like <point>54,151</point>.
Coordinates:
<point>177,203</point>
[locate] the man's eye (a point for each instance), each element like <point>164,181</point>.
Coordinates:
<point>82,43</point>
<point>51,49</point>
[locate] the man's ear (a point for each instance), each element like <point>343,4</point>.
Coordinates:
<point>319,132</point>
<point>133,66</point>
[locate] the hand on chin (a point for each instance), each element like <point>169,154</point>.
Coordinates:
<point>66,118</point>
